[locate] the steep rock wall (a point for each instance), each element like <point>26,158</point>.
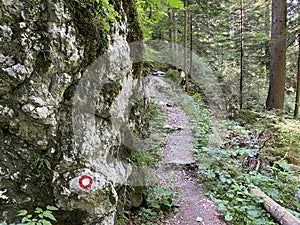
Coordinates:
<point>70,98</point>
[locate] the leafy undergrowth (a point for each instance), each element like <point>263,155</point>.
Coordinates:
<point>39,217</point>
<point>284,134</point>
<point>149,152</point>
<point>159,200</point>
<point>249,153</point>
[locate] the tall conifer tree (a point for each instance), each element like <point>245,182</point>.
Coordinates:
<point>275,99</point>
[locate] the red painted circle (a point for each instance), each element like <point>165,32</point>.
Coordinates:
<point>85,182</point>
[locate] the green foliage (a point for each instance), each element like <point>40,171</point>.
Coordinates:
<point>150,152</point>
<point>228,182</point>
<point>284,134</point>
<point>153,14</point>
<point>155,112</point>
<point>41,165</point>
<point>177,4</point>
<point>40,216</point>
<point>199,115</point>
<point>4,223</point>
<point>198,96</point>
<point>287,141</point>
<point>102,12</point>
<point>158,201</point>
<point>143,158</point>
<point>173,75</point>
<point>218,34</point>
<point>230,192</point>
<point>161,198</point>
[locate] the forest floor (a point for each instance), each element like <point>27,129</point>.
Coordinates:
<point>177,167</point>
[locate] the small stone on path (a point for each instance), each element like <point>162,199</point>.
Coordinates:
<point>199,219</point>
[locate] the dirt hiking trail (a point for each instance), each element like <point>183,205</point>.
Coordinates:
<point>178,165</point>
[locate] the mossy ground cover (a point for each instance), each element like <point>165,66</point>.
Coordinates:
<point>254,150</point>
<point>283,131</point>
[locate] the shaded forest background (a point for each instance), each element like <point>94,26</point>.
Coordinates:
<point>252,49</point>
<point>234,37</point>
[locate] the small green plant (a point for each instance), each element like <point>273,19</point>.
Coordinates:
<point>172,75</point>
<point>198,96</point>
<point>158,201</point>
<point>40,165</point>
<point>41,217</point>
<point>102,11</point>
<point>142,158</point>
<point>150,154</point>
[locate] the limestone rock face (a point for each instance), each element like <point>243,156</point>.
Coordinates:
<point>70,97</point>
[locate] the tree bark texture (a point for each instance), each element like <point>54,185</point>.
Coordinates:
<point>296,111</point>
<point>276,93</point>
<point>186,41</point>
<point>279,213</point>
<point>241,54</point>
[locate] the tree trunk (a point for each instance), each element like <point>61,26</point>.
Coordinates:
<point>191,45</point>
<point>267,27</point>
<point>170,25</point>
<point>296,111</point>
<point>186,40</point>
<point>279,213</point>
<point>174,34</point>
<point>241,54</point>
<point>275,99</point>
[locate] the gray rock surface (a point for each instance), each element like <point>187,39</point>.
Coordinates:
<point>70,99</point>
